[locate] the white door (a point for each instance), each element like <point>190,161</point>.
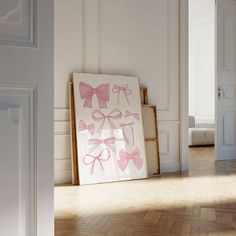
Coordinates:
<point>26,118</point>
<point>226,80</point>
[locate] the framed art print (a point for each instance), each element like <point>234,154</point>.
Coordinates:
<point>109,128</point>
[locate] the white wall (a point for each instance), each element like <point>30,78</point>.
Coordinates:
<point>128,37</point>
<point>201,60</point>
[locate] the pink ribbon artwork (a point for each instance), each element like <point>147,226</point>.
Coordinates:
<point>91,160</point>
<point>115,114</point>
<point>109,142</point>
<point>102,92</point>
<point>125,157</point>
<point>124,89</point>
<point>83,126</point>
<point>129,125</point>
<point>131,114</point>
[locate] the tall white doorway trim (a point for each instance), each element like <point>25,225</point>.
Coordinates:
<point>183,68</point>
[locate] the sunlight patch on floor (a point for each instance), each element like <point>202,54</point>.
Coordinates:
<point>159,194</point>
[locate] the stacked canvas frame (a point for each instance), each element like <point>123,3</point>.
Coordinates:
<point>149,113</point>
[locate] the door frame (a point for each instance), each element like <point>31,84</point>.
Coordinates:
<point>184,81</point>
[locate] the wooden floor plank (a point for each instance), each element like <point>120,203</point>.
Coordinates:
<point>202,202</point>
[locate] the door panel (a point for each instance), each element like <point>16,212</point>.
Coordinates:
<point>226,80</point>
<point>26,137</point>
<point>229,37</point>
<point>228,128</point>
<point>9,193</point>
<point>18,161</point>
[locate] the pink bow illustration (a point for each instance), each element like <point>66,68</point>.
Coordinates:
<point>126,91</point>
<point>130,125</point>
<point>108,142</point>
<point>126,157</point>
<point>102,92</point>
<point>83,126</point>
<point>113,115</point>
<point>91,160</point>
<point>128,113</point>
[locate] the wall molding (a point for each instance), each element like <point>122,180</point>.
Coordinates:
<point>62,128</point>
<point>167,108</point>
<point>167,43</point>
<point>92,12</point>
<point>164,137</point>
<point>61,114</point>
<point>100,31</point>
<point>84,67</point>
<point>183,75</point>
<point>170,166</point>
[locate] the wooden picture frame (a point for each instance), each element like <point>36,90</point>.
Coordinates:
<point>150,124</point>
<point>74,161</point>
<point>144,95</point>
<point>152,154</point>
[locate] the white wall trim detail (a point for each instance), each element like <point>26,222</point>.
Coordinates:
<point>183,70</point>
<point>100,31</point>
<point>84,65</point>
<point>170,166</point>
<point>167,108</point>
<point>164,142</point>
<point>24,97</point>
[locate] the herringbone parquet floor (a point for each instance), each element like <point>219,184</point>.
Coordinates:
<point>200,203</point>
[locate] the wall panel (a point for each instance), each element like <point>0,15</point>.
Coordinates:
<point>134,34</point>
<point>169,146</point>
<point>62,147</point>
<point>68,34</point>
<point>128,37</point>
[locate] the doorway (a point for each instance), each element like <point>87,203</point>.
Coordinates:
<point>201,87</point>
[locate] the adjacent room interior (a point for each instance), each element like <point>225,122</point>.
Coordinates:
<point>202,125</point>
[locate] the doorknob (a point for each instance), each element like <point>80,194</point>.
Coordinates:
<point>219,92</point>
